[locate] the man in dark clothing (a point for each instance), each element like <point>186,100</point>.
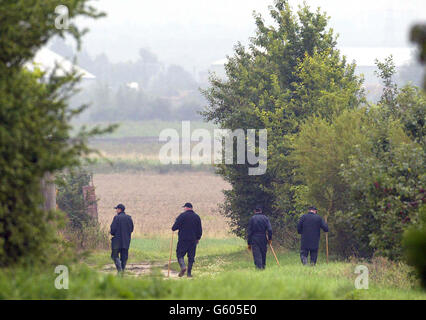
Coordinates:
<point>121,230</point>
<point>190,231</point>
<point>258,225</point>
<point>309,227</point>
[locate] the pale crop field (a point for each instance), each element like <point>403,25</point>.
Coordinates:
<point>155,200</point>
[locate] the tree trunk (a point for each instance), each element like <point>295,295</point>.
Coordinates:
<point>48,189</point>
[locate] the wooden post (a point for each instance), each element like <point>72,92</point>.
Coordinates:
<point>90,201</point>
<point>48,190</point>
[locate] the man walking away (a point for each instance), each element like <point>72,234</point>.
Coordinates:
<point>258,225</point>
<point>121,230</point>
<point>309,226</point>
<point>190,231</point>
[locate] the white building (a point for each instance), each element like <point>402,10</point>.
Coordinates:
<point>46,59</point>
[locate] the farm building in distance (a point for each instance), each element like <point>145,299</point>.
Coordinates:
<point>46,60</point>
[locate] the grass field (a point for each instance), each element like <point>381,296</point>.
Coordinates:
<point>223,270</point>
<point>135,147</point>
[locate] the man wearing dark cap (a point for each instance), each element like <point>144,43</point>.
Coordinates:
<point>121,230</point>
<point>258,225</point>
<point>309,226</point>
<point>189,225</point>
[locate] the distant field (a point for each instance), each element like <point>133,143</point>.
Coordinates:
<point>135,147</point>
<point>154,200</point>
<point>149,128</point>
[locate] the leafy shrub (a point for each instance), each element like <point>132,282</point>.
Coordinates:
<point>34,127</point>
<point>415,246</point>
<point>82,230</point>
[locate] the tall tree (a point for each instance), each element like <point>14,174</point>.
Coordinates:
<point>34,125</point>
<point>289,71</point>
<point>321,148</point>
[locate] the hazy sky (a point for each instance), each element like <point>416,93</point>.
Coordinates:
<point>194,33</point>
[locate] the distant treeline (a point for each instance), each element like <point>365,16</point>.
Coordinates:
<point>142,90</point>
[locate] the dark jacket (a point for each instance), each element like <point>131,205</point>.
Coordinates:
<point>189,225</point>
<point>121,229</point>
<point>258,225</point>
<point>309,227</point>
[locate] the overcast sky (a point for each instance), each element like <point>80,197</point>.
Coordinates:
<point>194,33</point>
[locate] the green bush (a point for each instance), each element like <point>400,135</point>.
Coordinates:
<point>415,246</point>
<point>290,71</point>
<point>81,229</point>
<point>70,197</point>
<point>34,127</point>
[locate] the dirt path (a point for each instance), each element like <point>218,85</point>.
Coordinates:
<point>143,268</point>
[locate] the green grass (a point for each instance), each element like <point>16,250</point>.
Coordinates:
<point>158,249</point>
<point>223,270</point>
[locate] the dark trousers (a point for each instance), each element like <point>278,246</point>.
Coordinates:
<point>304,255</point>
<point>120,256</point>
<point>259,247</point>
<point>259,255</point>
<point>186,247</point>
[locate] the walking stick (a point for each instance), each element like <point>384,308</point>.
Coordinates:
<point>170,258</point>
<point>272,249</point>
<point>326,241</point>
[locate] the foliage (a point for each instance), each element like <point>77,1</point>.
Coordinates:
<point>418,36</point>
<point>70,197</point>
<point>415,245</point>
<point>34,126</point>
<point>406,104</point>
<point>411,102</point>
<point>387,191</point>
<point>320,150</point>
<point>81,229</point>
<point>364,169</point>
<point>289,72</point>
<point>415,237</point>
<point>386,184</point>
<point>219,275</point>
<point>91,236</point>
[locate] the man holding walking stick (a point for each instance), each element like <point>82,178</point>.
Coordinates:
<point>190,231</point>
<point>309,227</point>
<point>258,225</point>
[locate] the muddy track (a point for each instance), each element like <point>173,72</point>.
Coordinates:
<point>143,268</point>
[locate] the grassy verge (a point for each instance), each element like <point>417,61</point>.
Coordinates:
<point>223,270</point>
